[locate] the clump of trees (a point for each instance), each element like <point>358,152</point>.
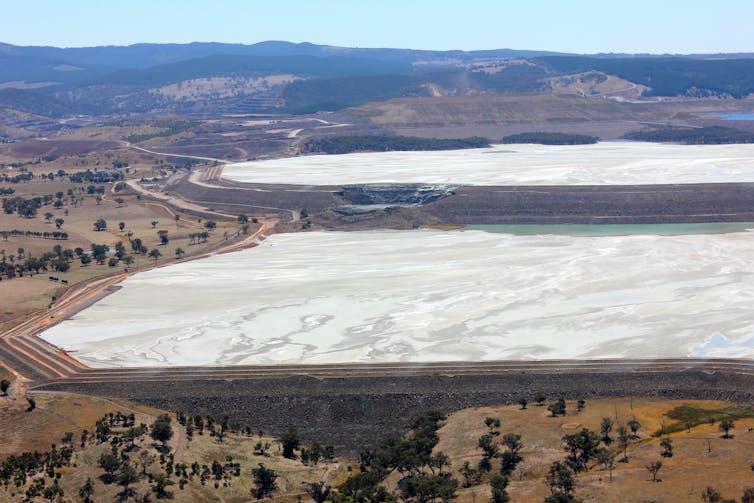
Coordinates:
<point>25,207</point>
<point>21,264</point>
<point>198,237</point>
<point>557,408</point>
<point>424,475</point>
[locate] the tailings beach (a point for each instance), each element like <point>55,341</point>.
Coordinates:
<point>605,163</point>
<point>419,296</point>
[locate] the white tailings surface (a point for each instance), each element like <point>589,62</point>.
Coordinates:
<point>423,296</point>
<point>606,163</point>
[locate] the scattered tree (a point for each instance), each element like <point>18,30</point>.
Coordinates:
<point>110,463</point>
<point>498,484</point>
<point>607,459</point>
<point>667,447</point>
<point>623,442</point>
<point>561,481</point>
<point>492,423</point>
<point>318,491</point>
<point>489,451</point>
<point>86,491</point>
<point>471,476</point>
<point>264,481</point>
<point>511,457</point>
<point>557,408</point>
<point>725,426</point>
<point>581,448</point>
<point>418,488</point>
<point>161,483</point>
<point>290,443</point>
<point>635,426</point>
<point>653,468</point>
<point>126,477</point>
<point>606,426</point>
<point>161,430</point>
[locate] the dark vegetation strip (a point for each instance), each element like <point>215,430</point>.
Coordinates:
<point>34,234</point>
<point>688,416</point>
<point>167,128</point>
<point>543,138</point>
<point>346,144</point>
<point>715,135</point>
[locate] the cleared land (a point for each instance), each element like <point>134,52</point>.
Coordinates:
<point>607,163</point>
<point>429,296</point>
<point>694,465</point>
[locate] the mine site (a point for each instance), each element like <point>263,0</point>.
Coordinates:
<point>487,293</point>
<point>287,271</point>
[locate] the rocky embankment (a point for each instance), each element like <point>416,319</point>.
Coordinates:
<point>357,412</point>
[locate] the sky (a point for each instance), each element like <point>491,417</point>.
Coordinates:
<point>580,26</point>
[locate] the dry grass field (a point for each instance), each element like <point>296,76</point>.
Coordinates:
<point>24,295</point>
<point>56,414</point>
<point>700,456</point>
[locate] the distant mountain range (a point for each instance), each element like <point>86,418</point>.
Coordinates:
<point>207,78</point>
<point>36,64</point>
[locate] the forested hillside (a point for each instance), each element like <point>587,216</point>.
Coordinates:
<point>669,76</point>
<point>57,82</point>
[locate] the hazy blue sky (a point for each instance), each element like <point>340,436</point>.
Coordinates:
<point>657,26</point>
